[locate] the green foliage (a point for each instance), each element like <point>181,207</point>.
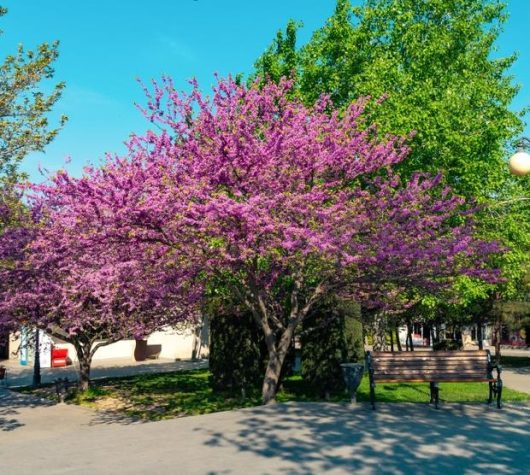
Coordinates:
<point>24,125</point>
<point>331,335</point>
<point>280,59</point>
<point>447,345</point>
<point>237,352</point>
<point>444,85</point>
<point>433,61</point>
<point>352,332</point>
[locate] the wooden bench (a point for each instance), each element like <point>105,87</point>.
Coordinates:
<point>434,367</point>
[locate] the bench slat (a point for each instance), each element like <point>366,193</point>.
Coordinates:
<point>435,380</point>
<point>414,364</point>
<point>435,354</point>
<point>430,365</point>
<point>391,369</point>
<point>462,367</point>
<point>430,375</point>
<point>430,358</point>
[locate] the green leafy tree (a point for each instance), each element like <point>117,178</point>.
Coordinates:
<point>24,125</point>
<point>434,65</point>
<point>24,107</point>
<point>432,59</point>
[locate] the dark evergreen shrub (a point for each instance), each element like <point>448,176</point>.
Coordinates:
<point>237,353</point>
<point>331,335</point>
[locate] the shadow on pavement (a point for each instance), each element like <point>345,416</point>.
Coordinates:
<point>23,375</point>
<point>523,370</point>
<point>396,438</point>
<point>114,417</point>
<point>11,402</point>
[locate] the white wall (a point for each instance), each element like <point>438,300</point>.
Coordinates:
<point>175,344</point>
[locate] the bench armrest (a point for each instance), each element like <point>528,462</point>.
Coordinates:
<point>493,366</point>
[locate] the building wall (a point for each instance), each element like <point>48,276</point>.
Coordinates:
<point>181,344</point>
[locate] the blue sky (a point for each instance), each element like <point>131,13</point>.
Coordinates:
<point>106,45</point>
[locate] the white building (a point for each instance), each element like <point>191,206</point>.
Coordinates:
<point>169,343</point>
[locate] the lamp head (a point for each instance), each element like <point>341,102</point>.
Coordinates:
<point>519,163</point>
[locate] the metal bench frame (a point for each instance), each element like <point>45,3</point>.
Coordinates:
<point>495,383</point>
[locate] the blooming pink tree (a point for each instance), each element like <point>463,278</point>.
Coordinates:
<point>282,202</point>
<point>85,291</point>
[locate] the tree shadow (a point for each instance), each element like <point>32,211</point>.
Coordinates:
<point>107,417</point>
<point>522,370</point>
<point>397,438</point>
<point>20,376</point>
<point>11,402</point>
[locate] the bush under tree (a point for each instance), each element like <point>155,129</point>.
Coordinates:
<point>331,335</point>
<point>237,352</point>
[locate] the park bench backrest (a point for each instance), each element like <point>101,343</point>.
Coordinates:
<point>438,366</point>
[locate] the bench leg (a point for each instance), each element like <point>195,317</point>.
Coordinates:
<point>490,399</point>
<point>435,394</point>
<point>431,385</point>
<point>372,395</point>
<point>499,393</point>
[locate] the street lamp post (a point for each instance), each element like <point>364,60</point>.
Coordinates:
<point>519,163</point>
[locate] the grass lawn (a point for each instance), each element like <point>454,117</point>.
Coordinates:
<point>183,393</point>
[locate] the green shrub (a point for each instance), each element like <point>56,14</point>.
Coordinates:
<point>237,352</point>
<point>331,335</point>
<point>447,345</point>
<point>353,331</point>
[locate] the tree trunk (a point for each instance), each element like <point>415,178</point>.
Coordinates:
<point>272,376</point>
<point>84,357</point>
<point>84,373</point>
<point>391,340</point>
<point>398,343</point>
<point>497,335</point>
<point>410,344</point>
<point>379,333</point>
<point>277,353</point>
<point>197,341</point>
<point>479,335</point>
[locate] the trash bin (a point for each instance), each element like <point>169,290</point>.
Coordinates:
<point>352,374</point>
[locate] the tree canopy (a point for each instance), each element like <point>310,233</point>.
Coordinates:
<point>281,201</point>
<point>434,66</point>
<point>24,106</point>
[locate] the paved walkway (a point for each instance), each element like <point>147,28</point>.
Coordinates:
<point>38,436</point>
<point>23,375</point>
<point>517,378</point>
<point>287,438</point>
